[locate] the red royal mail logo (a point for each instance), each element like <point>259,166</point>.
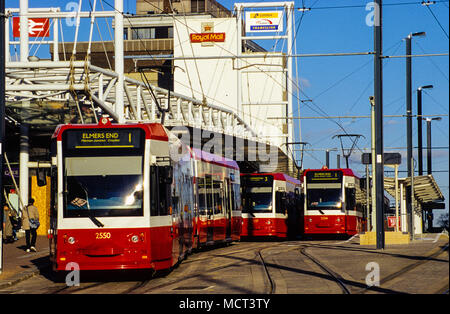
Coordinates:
<point>207,37</point>
<point>38,27</point>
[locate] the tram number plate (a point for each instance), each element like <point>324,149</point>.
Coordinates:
<point>102,235</point>
<point>323,218</point>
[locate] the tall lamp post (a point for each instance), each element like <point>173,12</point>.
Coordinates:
<point>409,126</point>
<point>419,126</point>
<point>429,171</point>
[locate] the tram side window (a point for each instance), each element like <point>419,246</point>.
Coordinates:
<point>202,196</point>
<point>218,197</point>
<point>236,195</point>
<point>160,183</point>
<point>154,195</point>
<point>350,198</point>
<point>209,195</point>
<point>281,202</point>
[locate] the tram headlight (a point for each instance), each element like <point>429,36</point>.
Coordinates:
<point>71,240</point>
<point>134,239</point>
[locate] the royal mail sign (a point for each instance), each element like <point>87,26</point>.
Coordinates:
<point>207,37</point>
<point>37,27</point>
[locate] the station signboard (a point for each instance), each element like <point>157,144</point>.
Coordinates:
<point>37,27</point>
<point>264,21</point>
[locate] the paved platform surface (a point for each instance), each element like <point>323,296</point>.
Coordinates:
<point>19,265</point>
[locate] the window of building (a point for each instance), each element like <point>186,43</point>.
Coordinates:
<point>197,6</point>
<point>151,32</point>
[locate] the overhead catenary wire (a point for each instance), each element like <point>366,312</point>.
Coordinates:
<point>435,18</point>
<point>302,55</point>
<point>361,117</point>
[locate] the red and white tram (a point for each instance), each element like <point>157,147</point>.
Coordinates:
<point>271,205</point>
<point>333,202</point>
<point>125,196</point>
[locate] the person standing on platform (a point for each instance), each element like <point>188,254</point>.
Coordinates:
<point>30,223</point>
<point>8,235</point>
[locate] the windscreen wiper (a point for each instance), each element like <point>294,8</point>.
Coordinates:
<point>91,216</point>
<point>97,222</point>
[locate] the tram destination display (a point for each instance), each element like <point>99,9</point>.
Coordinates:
<point>258,180</point>
<point>324,176</point>
<point>103,138</point>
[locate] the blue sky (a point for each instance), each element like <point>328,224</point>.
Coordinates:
<point>342,85</point>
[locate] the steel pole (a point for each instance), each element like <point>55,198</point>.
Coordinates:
<point>24,45</point>
<point>429,170</point>
<point>408,131</point>
<point>119,61</point>
<point>2,116</point>
<point>378,93</point>
<point>419,130</point>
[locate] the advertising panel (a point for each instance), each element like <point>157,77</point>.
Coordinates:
<point>264,21</point>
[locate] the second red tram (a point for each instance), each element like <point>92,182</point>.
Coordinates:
<point>131,196</point>
<point>271,205</point>
<point>333,202</point>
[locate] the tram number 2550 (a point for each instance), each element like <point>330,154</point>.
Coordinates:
<point>102,235</point>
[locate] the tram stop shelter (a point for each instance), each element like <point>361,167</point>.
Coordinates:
<point>427,196</point>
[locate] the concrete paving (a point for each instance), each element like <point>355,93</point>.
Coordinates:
<point>19,265</point>
<point>356,264</point>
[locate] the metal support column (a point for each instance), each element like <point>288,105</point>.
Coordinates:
<point>2,116</point>
<point>24,48</point>
<point>378,93</point>
<point>118,59</point>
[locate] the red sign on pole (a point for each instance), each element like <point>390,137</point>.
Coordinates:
<point>392,222</point>
<point>37,27</point>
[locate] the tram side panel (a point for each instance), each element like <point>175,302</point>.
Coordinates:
<point>217,181</point>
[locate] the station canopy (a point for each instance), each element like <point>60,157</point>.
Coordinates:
<point>425,188</point>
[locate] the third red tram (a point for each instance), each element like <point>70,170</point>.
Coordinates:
<point>333,202</point>
<point>271,205</point>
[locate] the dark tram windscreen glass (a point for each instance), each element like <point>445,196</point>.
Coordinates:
<point>257,194</point>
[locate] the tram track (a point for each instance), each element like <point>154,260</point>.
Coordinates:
<point>266,270</point>
<point>271,267</point>
<point>199,269</point>
<point>336,277</point>
<point>407,269</point>
<point>386,284</point>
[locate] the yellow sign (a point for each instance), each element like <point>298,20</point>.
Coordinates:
<point>264,15</point>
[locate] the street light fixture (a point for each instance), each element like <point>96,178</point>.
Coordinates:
<point>419,125</point>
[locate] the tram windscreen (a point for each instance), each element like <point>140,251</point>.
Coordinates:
<point>103,186</point>
<point>324,189</point>
<point>257,194</point>
<point>324,198</point>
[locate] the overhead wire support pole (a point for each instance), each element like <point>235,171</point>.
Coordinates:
<point>119,61</point>
<point>378,93</point>
<point>3,47</point>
